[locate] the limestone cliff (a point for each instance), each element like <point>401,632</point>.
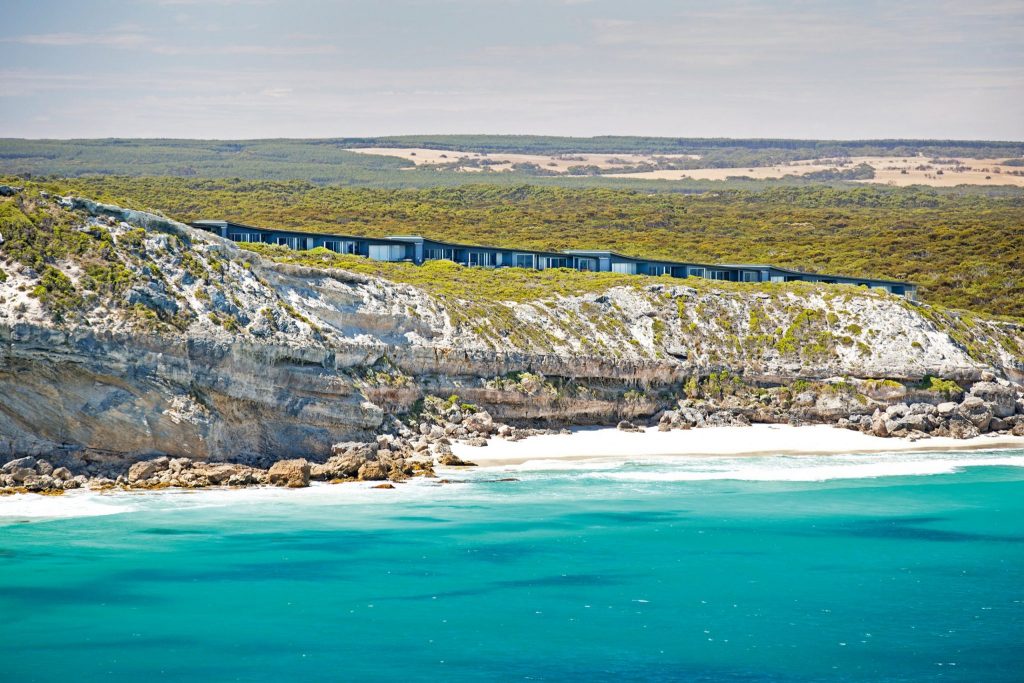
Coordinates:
<point>125,334</point>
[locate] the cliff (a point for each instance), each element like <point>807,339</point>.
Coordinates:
<point>124,334</point>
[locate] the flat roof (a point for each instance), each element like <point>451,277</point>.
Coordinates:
<point>286,230</point>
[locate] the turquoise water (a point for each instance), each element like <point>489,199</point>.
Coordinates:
<point>760,569</point>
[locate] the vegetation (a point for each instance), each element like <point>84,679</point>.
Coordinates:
<point>946,387</point>
<point>450,280</point>
<point>325,161</point>
<point>962,249</point>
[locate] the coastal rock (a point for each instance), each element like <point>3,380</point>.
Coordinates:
<point>1002,400</point>
<point>372,471</point>
<point>480,421</point>
<point>39,482</point>
<point>26,463</point>
<point>1018,429</point>
<point>144,469</point>
<point>962,428</point>
<point>62,474</point>
<point>451,460</point>
<point>974,409</point>
<point>290,473</point>
<point>998,424</point>
<point>232,474</point>
<point>879,425</point>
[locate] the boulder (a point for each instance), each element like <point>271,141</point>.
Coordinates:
<point>998,424</point>
<point>917,422</point>
<point>962,428</point>
<point>291,473</point>
<point>479,421</point>
<point>143,470</point>
<point>62,474</point>
<point>225,474</point>
<point>1018,429</point>
<point>452,460</point>
<point>1002,400</point>
<point>974,409</point>
<point>946,409</point>
<point>355,449</point>
<point>39,482</point>
<point>372,471</point>
<point>27,462</point>
<point>879,425</point>
<point>20,474</point>
<point>627,426</point>
<point>897,410</point>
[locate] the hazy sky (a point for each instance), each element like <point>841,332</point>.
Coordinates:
<point>294,68</point>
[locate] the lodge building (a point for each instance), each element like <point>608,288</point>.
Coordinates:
<point>416,249</point>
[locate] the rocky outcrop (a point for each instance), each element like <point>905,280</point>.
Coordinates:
<point>972,416</point>
<point>293,474</point>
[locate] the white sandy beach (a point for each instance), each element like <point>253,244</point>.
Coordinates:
<point>758,439</point>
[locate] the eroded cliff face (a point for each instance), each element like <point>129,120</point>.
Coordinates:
<point>204,350</point>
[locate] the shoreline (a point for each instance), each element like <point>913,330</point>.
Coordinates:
<point>730,441</point>
<point>585,448</point>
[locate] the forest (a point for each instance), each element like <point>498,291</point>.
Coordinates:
<point>963,250</point>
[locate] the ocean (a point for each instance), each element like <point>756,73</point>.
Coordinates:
<point>835,568</point>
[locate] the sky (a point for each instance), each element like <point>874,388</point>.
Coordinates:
<point>837,69</point>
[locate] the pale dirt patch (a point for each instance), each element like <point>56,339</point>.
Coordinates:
<point>898,171</point>
<point>557,163</point>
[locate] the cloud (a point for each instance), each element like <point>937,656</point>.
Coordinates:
<point>121,40</point>
<point>254,49</point>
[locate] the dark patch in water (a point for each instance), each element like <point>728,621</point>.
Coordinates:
<point>271,570</point>
<point>558,580</point>
<point>913,529</point>
<point>421,518</point>
<point>333,541</point>
<point>36,597</point>
<point>501,553</point>
<point>630,517</point>
<point>167,531</point>
<point>555,581</point>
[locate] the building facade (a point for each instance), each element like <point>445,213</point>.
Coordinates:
<point>418,250</point>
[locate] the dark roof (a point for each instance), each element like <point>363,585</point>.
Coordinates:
<point>305,233</point>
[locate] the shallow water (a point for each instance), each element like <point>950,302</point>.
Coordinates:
<point>851,568</point>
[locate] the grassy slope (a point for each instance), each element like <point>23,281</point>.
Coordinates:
<point>964,250</point>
